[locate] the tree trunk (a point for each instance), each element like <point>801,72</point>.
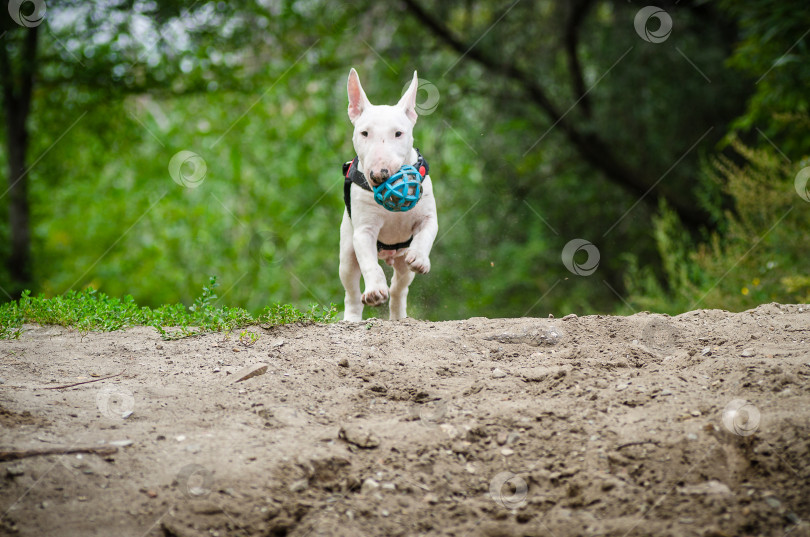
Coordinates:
<point>19,262</point>
<point>17,91</point>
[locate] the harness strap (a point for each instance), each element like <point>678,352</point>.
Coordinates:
<point>352,175</point>
<point>347,184</point>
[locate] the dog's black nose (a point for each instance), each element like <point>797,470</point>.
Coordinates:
<point>380,177</point>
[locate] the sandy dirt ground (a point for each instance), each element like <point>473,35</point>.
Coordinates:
<point>695,425</point>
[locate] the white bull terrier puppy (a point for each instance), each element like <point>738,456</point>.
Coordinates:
<point>383,141</point>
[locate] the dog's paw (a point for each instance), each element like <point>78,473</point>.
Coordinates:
<point>417,262</point>
<point>375,297</point>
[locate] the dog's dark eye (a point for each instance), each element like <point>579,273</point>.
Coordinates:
<point>398,134</point>
<point>365,134</point>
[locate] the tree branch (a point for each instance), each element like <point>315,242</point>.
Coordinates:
<point>591,147</point>
<point>578,10</point>
<point>536,92</point>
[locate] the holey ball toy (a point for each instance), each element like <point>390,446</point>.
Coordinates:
<point>401,191</point>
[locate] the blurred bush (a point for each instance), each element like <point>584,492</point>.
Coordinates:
<point>758,256</point>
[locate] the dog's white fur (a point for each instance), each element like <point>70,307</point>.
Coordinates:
<point>382,152</point>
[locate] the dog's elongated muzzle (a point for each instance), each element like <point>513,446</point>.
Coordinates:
<point>401,191</point>
<point>398,193</point>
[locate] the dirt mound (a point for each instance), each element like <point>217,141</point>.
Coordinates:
<point>643,425</point>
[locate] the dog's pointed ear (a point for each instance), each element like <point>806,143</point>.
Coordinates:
<point>408,100</point>
<point>357,97</point>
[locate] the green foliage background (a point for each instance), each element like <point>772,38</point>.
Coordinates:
<point>259,93</point>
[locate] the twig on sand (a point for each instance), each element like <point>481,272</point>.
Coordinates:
<point>638,443</point>
<point>85,382</point>
<point>25,453</point>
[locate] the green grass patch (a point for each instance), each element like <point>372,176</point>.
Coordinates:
<point>90,310</point>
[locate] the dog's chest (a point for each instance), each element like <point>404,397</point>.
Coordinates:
<point>392,227</point>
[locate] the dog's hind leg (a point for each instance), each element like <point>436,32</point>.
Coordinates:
<point>403,276</point>
<point>350,273</point>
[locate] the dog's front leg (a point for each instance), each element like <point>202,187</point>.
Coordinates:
<point>349,272</point>
<point>365,247</point>
<point>418,256</point>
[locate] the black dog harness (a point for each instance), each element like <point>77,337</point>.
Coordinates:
<point>352,175</point>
